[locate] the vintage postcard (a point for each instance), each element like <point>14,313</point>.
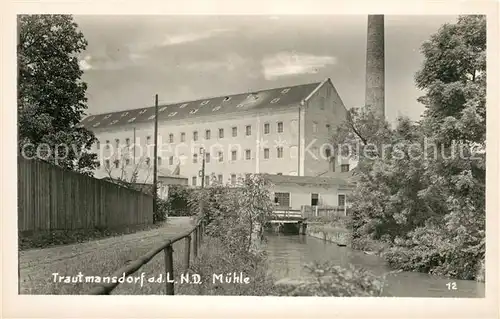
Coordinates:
<point>279,149</point>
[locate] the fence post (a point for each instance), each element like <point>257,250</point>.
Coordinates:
<point>169,269</point>
<point>195,242</point>
<point>187,251</point>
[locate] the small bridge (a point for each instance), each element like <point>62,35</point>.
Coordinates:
<point>287,218</point>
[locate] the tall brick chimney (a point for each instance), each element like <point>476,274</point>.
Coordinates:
<point>375,65</point>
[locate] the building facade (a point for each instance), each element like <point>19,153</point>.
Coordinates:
<point>283,131</point>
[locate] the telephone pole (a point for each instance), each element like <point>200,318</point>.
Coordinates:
<point>202,172</point>
<point>155,163</point>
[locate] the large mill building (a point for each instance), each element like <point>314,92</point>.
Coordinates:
<point>283,131</point>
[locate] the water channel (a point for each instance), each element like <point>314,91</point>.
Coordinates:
<point>287,254</point>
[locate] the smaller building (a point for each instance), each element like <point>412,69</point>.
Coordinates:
<point>298,191</point>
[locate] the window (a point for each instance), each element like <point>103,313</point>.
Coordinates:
<point>240,105</point>
<point>117,163</point>
<point>248,154</point>
<point>195,158</point>
<point>143,111</point>
<point>221,133</point>
<point>183,106</point>
<point>98,145</point>
<point>113,122</point>
<point>172,114</point>
<point>170,138</point>
<point>127,161</point>
<point>124,114</point>
<point>233,155</point>
<point>235,131</point>
<point>195,136</point>
<point>205,102</point>
<point>183,137</point>
<point>219,178</point>
<point>344,168</point>
<point>159,161</point>
<point>207,157</point>
<point>266,153</point>
<point>315,127</point>
<point>227,98</point>
<point>233,179</point>
<point>107,116</point>
<point>107,144</point>
<point>282,199</point>
<point>341,200</point>
<point>280,127</point>
<point>171,160</point>
<point>193,181</point>
<point>328,152</point>
<point>131,120</point>
<point>248,130</point>
<point>148,160</point>
<point>322,102</point>
<point>117,142</point>
<point>314,199</point>
<point>280,152</point>
<point>148,140</point>
<point>216,108</point>
<point>127,141</point>
<point>275,100</point>
<point>96,124</point>
<point>328,128</point>
<point>266,128</point>
<point>207,134</point>
<point>221,157</point>
<point>152,117</point>
<point>162,109</point>
<point>285,91</point>
<point>193,111</point>
<point>107,163</point>
<point>207,180</point>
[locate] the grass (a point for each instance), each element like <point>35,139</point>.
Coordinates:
<point>96,258</point>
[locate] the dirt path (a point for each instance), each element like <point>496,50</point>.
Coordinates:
<point>100,257</point>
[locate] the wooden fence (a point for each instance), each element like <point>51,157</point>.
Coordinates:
<point>51,198</point>
<point>192,237</point>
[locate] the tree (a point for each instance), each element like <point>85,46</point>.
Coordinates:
<point>421,186</point>
<point>51,94</point>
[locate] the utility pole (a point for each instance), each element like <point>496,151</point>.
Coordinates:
<point>202,172</point>
<point>155,163</point>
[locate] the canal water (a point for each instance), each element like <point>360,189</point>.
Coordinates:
<point>287,254</point>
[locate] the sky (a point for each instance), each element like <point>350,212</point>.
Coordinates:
<point>131,58</point>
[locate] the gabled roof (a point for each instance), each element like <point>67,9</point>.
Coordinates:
<point>312,180</point>
<point>271,98</point>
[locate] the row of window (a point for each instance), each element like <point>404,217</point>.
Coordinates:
<point>195,181</point>
<point>283,199</point>
<point>315,127</point>
<point>208,135</point>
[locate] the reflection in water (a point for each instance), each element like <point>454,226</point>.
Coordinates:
<point>287,254</point>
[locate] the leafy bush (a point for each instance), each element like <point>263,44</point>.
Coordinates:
<point>331,280</point>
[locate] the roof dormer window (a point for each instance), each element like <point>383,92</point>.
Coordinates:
<point>163,109</point>
<point>216,108</point>
<point>275,100</point>
<point>96,124</point>
<point>131,120</point>
<point>240,105</point>
<point>152,117</point>
<point>172,114</point>
<point>193,111</point>
<point>91,118</point>
<point>107,116</point>
<point>113,122</point>
<point>183,106</point>
<point>205,102</point>
<point>124,114</point>
<point>143,111</point>
<point>285,91</point>
<point>227,98</point>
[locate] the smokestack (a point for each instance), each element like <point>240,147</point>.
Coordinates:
<point>375,69</point>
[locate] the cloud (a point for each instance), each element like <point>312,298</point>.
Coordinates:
<point>290,63</point>
<point>85,63</point>
<point>229,62</point>
<point>191,37</point>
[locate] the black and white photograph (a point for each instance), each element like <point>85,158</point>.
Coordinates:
<point>277,155</point>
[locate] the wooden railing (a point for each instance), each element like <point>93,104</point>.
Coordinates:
<point>194,236</point>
